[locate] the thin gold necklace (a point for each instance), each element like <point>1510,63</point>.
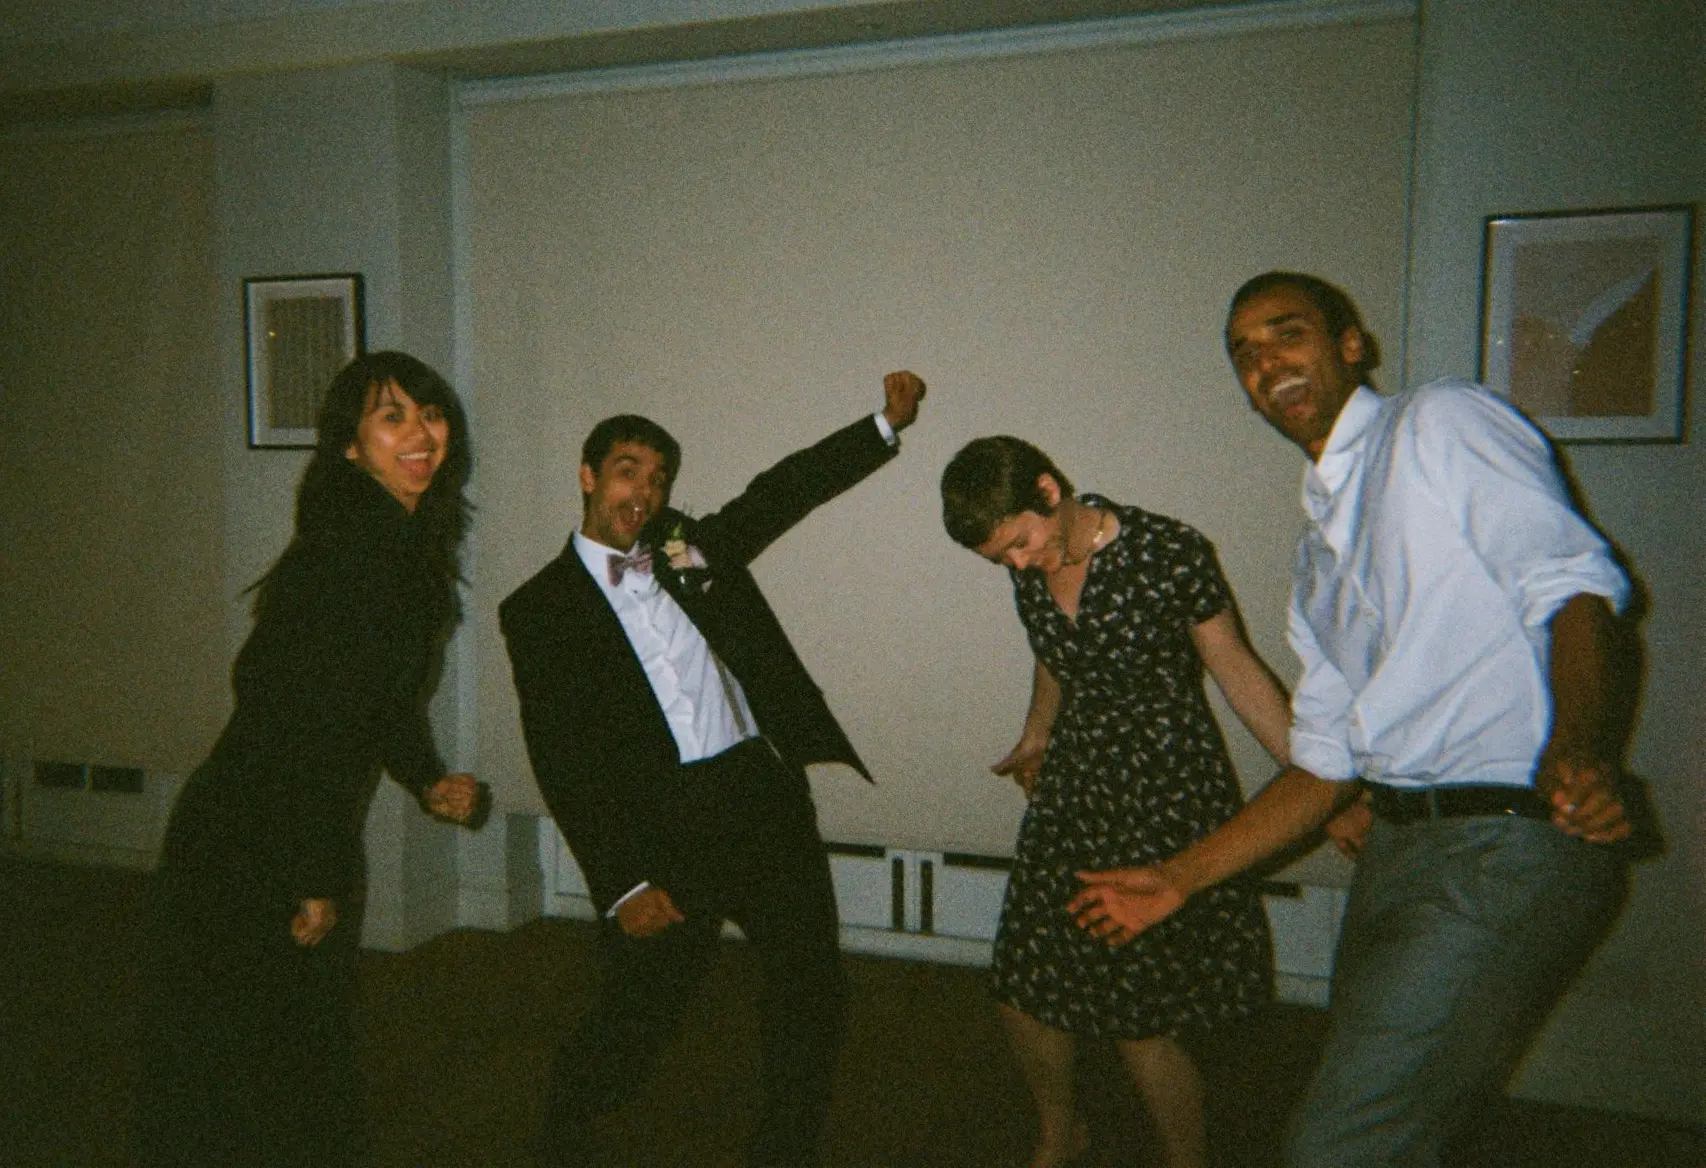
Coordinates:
<point>1067,561</point>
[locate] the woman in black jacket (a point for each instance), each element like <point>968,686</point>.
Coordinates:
<point>248,1049</point>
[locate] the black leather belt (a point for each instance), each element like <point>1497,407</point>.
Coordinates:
<point>1399,806</point>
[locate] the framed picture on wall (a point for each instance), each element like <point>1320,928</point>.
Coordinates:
<point>1585,320</point>
<point>299,331</point>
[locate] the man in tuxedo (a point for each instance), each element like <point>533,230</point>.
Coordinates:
<point>669,723</point>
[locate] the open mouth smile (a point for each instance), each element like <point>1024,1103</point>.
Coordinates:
<point>1287,393</point>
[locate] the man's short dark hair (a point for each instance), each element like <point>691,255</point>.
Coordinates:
<point>1335,305</point>
<point>630,428</point>
<point>991,480</point>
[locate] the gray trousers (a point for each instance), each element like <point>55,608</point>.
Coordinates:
<point>1459,937</point>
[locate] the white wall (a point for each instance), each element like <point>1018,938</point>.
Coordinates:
<point>1547,105</point>
<point>111,484</point>
<point>1046,238</point>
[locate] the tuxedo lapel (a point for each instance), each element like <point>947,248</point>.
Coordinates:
<point>587,600</point>
<point>667,578</point>
<point>602,648</point>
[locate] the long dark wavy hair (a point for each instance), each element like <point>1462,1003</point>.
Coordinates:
<point>441,517</point>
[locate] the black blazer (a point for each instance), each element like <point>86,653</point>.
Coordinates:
<point>600,745</point>
<point>330,684</point>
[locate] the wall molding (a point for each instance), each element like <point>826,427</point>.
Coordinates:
<point>1069,36</point>
<point>109,125</point>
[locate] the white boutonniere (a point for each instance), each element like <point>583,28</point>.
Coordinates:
<point>686,562</point>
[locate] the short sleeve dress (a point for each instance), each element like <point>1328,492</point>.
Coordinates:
<point>1136,770</point>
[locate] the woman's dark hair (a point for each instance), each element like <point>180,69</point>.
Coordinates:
<point>991,480</point>
<point>1337,310</point>
<point>441,516</point>
<point>630,428</point>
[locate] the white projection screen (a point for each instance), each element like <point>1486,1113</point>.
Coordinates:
<point>1048,237</point>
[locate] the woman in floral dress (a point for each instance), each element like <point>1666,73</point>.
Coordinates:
<point>1122,763</point>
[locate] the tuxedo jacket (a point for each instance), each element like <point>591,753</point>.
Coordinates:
<point>601,748</point>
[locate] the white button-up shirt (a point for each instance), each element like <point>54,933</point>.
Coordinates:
<point>1441,540</point>
<point>702,701</point>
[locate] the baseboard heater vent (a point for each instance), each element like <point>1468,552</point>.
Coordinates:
<point>931,906</point>
<point>79,776</point>
<point>944,906</point>
<point>86,812</point>
<point>944,894</point>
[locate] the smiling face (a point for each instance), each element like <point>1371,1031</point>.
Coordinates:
<point>628,488</point>
<point>1028,540</point>
<point>1297,374</point>
<point>400,443</point>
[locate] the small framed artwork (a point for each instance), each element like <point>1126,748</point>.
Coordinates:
<point>1585,320</point>
<point>299,331</point>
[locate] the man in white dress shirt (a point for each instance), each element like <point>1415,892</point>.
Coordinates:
<point>1453,614</point>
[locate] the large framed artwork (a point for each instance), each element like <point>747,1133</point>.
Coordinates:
<point>299,331</point>
<point>1585,320</point>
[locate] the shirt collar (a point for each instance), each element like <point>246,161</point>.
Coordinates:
<point>1340,456</point>
<point>596,557</point>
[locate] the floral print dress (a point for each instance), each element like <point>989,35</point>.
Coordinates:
<point>1136,770</point>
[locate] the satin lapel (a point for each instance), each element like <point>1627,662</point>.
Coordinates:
<point>604,639</point>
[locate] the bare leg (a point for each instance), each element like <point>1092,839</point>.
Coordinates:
<point>1046,1055</point>
<point>1172,1088</point>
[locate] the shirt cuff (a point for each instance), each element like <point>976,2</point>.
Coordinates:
<point>1322,756</point>
<point>887,430</point>
<point>1592,575</point>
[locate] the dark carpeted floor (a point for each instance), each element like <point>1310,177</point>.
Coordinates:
<point>458,1035</point>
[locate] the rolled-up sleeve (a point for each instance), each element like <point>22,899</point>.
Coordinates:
<point>1512,503</point>
<point>1321,708</point>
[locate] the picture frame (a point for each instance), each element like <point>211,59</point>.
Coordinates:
<point>1585,320</point>
<point>298,332</point>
